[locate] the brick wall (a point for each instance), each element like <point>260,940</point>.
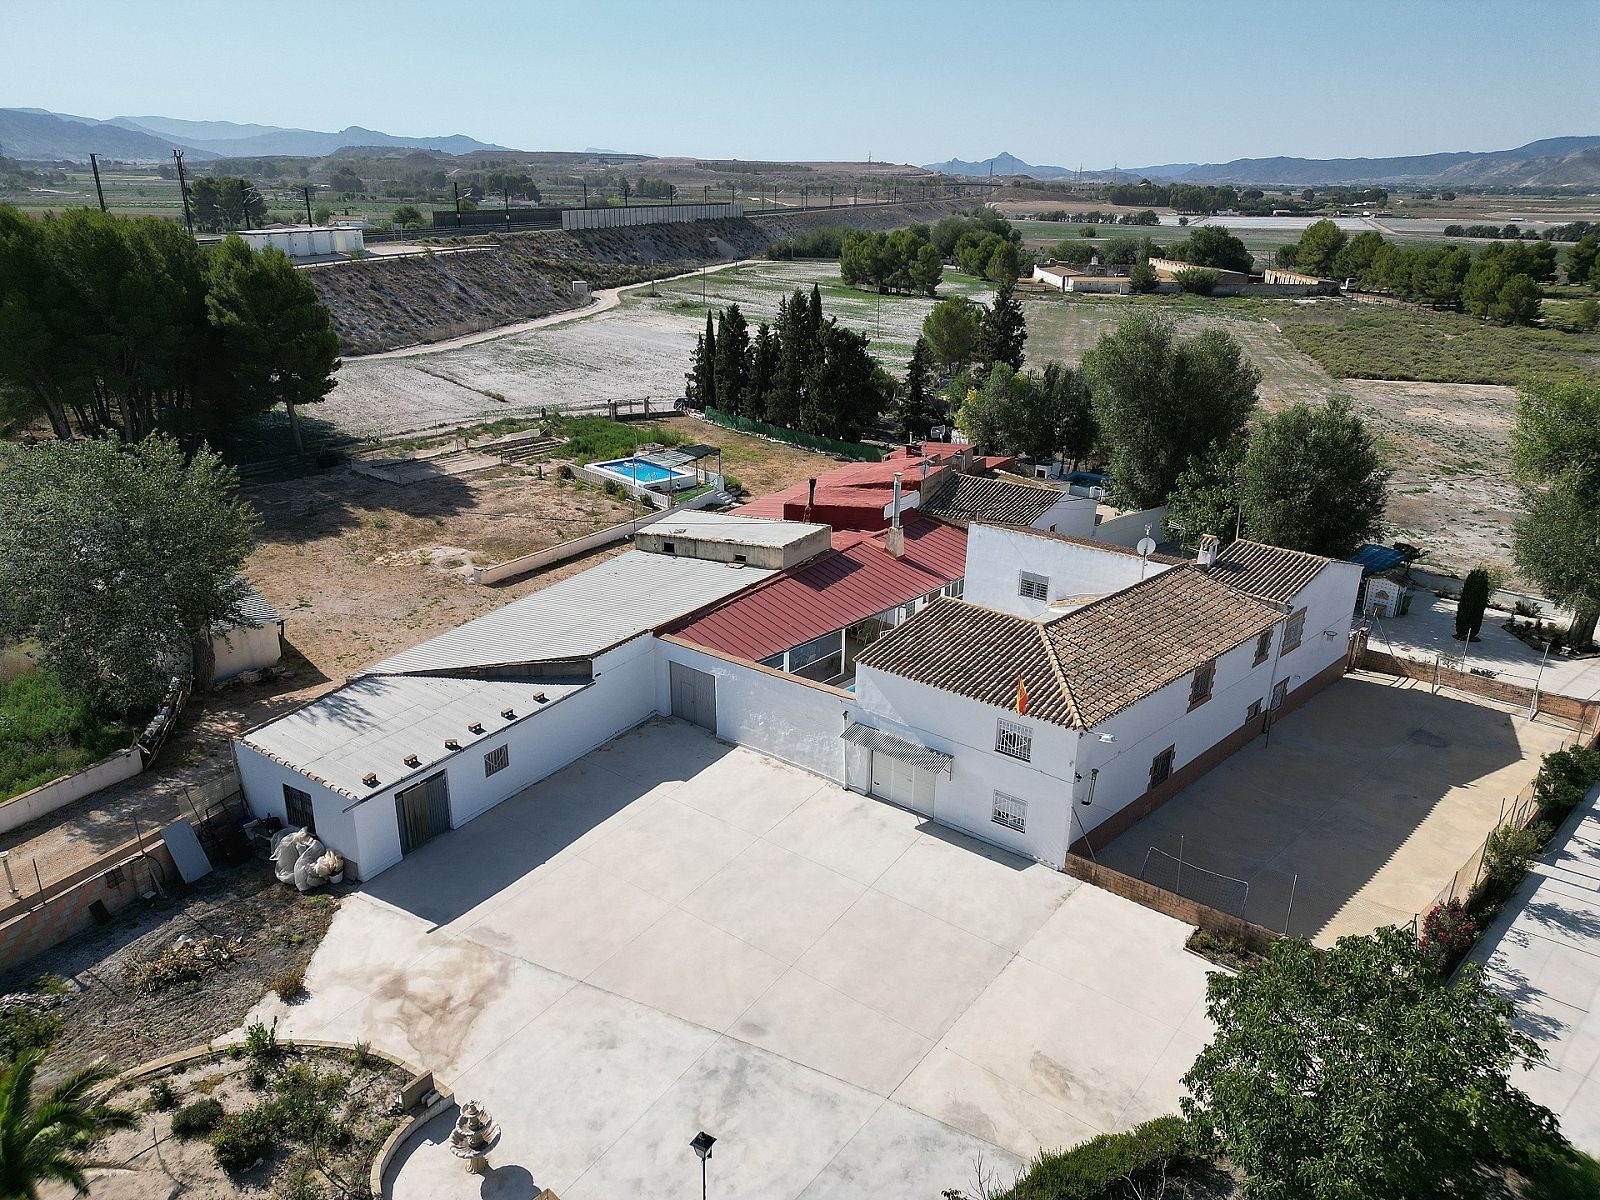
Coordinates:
<point>1191,912</point>
<point>1583,713</point>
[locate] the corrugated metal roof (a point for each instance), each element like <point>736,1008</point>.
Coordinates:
<point>1374,559</point>
<point>742,530</point>
<point>905,750</point>
<point>857,579</point>
<point>371,724</point>
<point>580,616</point>
<point>1270,572</point>
<point>252,609</point>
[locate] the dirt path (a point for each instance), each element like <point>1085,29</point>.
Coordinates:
<point>603,301</point>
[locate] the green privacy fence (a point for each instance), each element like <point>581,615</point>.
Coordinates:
<point>794,437</point>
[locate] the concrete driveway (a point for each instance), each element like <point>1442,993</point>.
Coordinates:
<point>1543,954</point>
<point>674,935</point>
<point>1364,803</point>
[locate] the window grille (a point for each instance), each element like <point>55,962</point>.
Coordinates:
<point>1010,811</point>
<point>496,760</point>
<point>1034,587</point>
<point>1013,740</point>
<point>297,808</point>
<point>1161,766</point>
<point>1293,630</point>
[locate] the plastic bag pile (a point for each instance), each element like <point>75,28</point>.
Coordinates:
<point>300,858</point>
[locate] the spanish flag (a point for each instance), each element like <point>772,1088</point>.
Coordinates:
<point>1022,696</point>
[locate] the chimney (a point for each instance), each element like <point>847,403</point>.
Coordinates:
<point>896,541</point>
<point>811,497</point>
<point>1207,556</point>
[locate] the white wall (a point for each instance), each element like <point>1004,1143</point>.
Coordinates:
<point>1129,528</point>
<point>245,649</point>
<point>1329,601</point>
<point>788,719</point>
<point>1072,515</point>
<point>368,836</point>
<point>965,729</point>
<point>48,797</point>
<point>996,557</point>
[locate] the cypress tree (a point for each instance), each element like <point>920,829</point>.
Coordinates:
<point>1473,604</point>
<point>702,379</point>
<point>763,371</point>
<point>919,408</point>
<point>783,404</point>
<point>733,349</point>
<point>1001,330</point>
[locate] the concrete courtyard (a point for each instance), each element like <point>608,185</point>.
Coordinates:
<point>1374,793</point>
<point>674,935</point>
<point>1543,954</point>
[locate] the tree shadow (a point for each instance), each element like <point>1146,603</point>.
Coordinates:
<point>296,511</point>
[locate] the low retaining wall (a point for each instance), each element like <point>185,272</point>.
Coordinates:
<point>1191,912</point>
<point>562,551</point>
<point>1584,714</point>
<point>113,882</point>
<point>48,797</point>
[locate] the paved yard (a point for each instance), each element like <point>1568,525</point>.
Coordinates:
<point>1543,953</point>
<point>674,935</point>
<point>1373,793</point>
<point>1429,629</point>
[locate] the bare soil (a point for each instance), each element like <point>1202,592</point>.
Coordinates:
<point>151,1160</point>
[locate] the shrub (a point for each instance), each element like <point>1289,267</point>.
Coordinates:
<point>162,1097</point>
<point>261,1044</point>
<point>1197,281</point>
<point>23,1028</point>
<point>1096,1170</point>
<point>302,1109</point>
<point>1564,778</point>
<point>195,1119</point>
<point>731,485</point>
<point>1506,859</point>
<point>47,732</point>
<point>361,1055</point>
<point>243,1139</point>
<point>289,983</point>
<point>1448,932</point>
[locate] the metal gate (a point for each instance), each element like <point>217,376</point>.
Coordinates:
<point>902,783</point>
<point>694,695</point>
<point>423,810</point>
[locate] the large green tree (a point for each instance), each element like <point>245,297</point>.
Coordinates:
<point>917,407</point>
<point>1001,330</point>
<point>990,415</point>
<point>118,561</point>
<point>700,383</point>
<point>951,330</point>
<point>1555,447</point>
<point>1314,480</point>
<point>225,203</point>
<point>279,344</point>
<point>844,391</point>
<point>1318,248</point>
<point>42,1138</point>
<point>1356,1072</point>
<point>733,362</point>
<point>1214,246</point>
<point>1071,407</point>
<point>1159,401</point>
<point>1206,496</point>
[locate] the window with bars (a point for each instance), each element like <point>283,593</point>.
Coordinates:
<point>297,809</point>
<point>1013,740</point>
<point>1034,587</point>
<point>1293,630</point>
<point>1161,766</point>
<point>956,589</point>
<point>1263,647</point>
<point>1010,811</point>
<point>1254,711</point>
<point>496,760</point>
<point>1200,686</point>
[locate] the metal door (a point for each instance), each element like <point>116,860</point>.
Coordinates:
<point>423,810</point>
<point>694,695</point>
<point>903,784</point>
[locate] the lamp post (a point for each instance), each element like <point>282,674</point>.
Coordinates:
<point>701,1145</point>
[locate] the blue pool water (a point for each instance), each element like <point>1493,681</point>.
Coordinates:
<point>639,472</point>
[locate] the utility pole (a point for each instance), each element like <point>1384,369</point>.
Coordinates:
<point>244,202</point>
<point>585,184</point>
<point>94,165</point>
<point>307,192</point>
<point>505,191</point>
<point>183,189</point>
<point>456,188</point>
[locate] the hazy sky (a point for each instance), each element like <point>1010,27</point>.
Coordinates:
<point>1136,82</point>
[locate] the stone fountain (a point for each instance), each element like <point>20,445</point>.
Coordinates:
<point>474,1136</point>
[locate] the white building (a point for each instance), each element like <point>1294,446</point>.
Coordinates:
<point>251,640</point>
<point>302,242</point>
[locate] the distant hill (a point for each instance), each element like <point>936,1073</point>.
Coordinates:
<point>1551,162</point>
<point>37,133</point>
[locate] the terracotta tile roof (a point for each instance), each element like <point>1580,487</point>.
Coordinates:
<point>1269,572</point>
<point>1136,641</point>
<point>855,580</point>
<point>965,498</point>
<point>1084,667</point>
<point>978,653</point>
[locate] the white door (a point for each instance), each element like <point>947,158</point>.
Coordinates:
<point>901,783</point>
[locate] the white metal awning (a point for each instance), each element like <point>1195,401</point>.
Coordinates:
<point>906,751</point>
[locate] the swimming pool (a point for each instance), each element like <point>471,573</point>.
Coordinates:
<point>645,474</point>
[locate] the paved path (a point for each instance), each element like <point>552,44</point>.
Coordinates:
<point>603,300</point>
<point>673,934</point>
<point>1543,953</point>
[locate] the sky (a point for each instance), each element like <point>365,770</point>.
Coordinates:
<point>1129,82</point>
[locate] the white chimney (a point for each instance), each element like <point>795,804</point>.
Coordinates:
<point>1207,556</point>
<point>896,541</point>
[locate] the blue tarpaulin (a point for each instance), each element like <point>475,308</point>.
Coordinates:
<point>1374,558</point>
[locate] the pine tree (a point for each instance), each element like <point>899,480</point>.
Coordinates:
<point>733,348</point>
<point>1001,331</point>
<point>919,408</point>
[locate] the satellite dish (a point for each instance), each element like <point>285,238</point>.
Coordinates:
<point>1147,547</point>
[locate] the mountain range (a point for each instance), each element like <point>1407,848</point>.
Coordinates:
<point>36,133</point>
<point>1551,162</point>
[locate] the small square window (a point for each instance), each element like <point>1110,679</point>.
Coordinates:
<point>1161,766</point>
<point>1033,587</point>
<point>1254,711</point>
<point>1263,647</point>
<point>496,760</point>
<point>1013,740</point>
<point>1200,686</point>
<point>669,547</point>
<point>114,877</point>
<point>1010,811</point>
<point>1293,630</point>
<point>297,809</point>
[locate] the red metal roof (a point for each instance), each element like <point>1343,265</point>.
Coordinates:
<point>849,497</point>
<point>857,579</point>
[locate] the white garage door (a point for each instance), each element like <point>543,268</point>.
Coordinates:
<point>903,784</point>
